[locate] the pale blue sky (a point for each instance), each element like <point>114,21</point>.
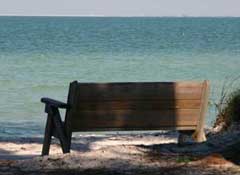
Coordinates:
<point>121,7</point>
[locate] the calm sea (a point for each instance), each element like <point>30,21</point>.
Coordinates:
<point>39,56</point>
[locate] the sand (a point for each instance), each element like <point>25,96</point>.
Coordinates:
<point>24,148</point>
<point>144,153</point>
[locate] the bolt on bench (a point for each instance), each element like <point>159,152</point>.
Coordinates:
<point>127,106</point>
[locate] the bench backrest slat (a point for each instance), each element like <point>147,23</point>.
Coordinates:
<point>126,106</point>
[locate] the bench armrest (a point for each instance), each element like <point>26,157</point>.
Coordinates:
<point>55,103</point>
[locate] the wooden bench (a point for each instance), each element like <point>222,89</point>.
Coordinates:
<point>127,106</point>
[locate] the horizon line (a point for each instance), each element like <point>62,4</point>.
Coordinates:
<point>134,16</point>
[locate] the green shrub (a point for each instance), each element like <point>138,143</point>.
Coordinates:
<point>229,110</point>
<point>184,159</point>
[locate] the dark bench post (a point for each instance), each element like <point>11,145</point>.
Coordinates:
<point>54,126</point>
<point>48,136</point>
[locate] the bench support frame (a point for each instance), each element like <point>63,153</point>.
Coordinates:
<point>62,130</point>
<point>54,127</point>
<point>199,134</point>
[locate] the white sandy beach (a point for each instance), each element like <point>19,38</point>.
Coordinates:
<point>120,153</point>
<point>24,148</point>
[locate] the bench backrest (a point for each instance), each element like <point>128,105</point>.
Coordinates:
<point>136,105</point>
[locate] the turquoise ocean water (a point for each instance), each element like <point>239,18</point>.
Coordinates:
<point>39,56</point>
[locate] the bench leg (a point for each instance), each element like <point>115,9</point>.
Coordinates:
<point>199,136</point>
<point>183,137</point>
<point>64,141</point>
<point>55,127</point>
<point>69,136</point>
<point>47,136</point>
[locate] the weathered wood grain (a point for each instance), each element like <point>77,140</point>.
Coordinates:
<point>138,105</point>
<point>129,106</point>
<point>199,134</point>
<point>139,91</point>
<point>135,118</point>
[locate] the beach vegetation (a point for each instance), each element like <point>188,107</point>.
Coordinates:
<point>228,107</point>
<point>184,159</point>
